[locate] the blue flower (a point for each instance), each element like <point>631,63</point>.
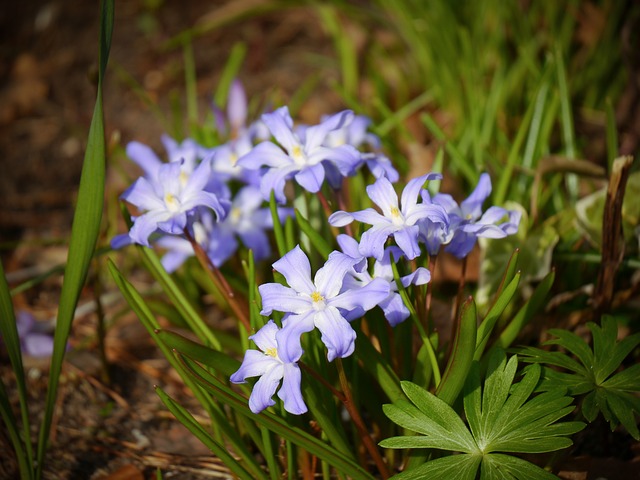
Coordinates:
<point>268,364</point>
<point>393,307</point>
<point>188,151</point>
<point>298,156</point>
<point>355,133</point>
<point>319,302</point>
<point>467,222</point>
<point>245,220</point>
<point>397,221</point>
<point>170,199</point>
<point>34,340</point>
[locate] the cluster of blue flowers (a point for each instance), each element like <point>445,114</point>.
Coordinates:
<point>191,196</point>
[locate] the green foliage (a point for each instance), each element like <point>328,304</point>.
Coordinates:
<point>501,416</point>
<point>592,372</point>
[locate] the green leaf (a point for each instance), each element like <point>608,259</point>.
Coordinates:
<point>11,340</point>
<point>607,353</point>
<point>201,434</point>
<point>275,424</point>
<point>496,466</point>
<point>527,311</point>
<point>535,252</point>
<point>178,298</point>
<point>592,374</point>
<point>316,239</point>
<point>502,417</point>
<point>462,353</point>
<point>84,232</point>
<point>454,467</point>
<point>378,367</point>
<point>205,355</point>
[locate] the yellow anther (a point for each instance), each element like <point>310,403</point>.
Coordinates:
<point>235,214</point>
<point>172,202</point>
<point>316,297</point>
<point>395,212</point>
<point>184,178</point>
<point>272,352</point>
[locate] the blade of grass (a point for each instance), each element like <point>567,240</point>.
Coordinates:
<point>527,311</point>
<point>316,239</point>
<point>84,232</point>
<point>11,340</point>
<point>231,69</point>
<point>612,136</point>
<point>201,434</point>
<point>152,263</point>
<point>566,116</point>
<point>275,424</point>
<point>464,346</point>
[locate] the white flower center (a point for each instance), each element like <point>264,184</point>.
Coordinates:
<point>172,202</point>
<point>298,155</point>
<point>396,216</point>
<point>235,215</point>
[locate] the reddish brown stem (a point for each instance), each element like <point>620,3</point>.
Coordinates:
<point>359,423</point>
<point>239,310</point>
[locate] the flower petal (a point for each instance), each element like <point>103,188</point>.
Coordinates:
<point>296,269</point>
<point>265,338</point>
<point>407,239</point>
<point>254,364</point>
<point>328,279</point>
<point>340,219</point>
<point>288,338</point>
<point>314,136</point>
<point>236,105</point>
<point>372,241</point>
<point>144,157</point>
<point>265,153</point>
<point>280,125</point>
<point>394,309</point>
<point>311,178</point>
<point>383,195</point>
<point>282,299</point>
<point>143,195</point>
<point>365,297</point>
<point>472,206</point>
<point>290,392</point>
<point>337,334</point>
<point>262,395</point>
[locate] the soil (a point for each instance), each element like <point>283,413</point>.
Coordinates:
<point>117,428</point>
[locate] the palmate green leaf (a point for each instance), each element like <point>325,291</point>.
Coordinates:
<point>607,352</point>
<point>506,420</point>
<point>427,414</point>
<point>454,467</point>
<point>497,466</point>
<point>502,417</point>
<point>592,374</point>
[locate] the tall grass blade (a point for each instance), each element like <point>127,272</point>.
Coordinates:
<point>9,331</point>
<point>84,232</point>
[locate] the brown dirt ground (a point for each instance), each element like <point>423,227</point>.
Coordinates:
<point>120,430</point>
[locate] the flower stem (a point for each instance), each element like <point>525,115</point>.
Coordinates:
<point>348,403</point>
<point>240,310</point>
